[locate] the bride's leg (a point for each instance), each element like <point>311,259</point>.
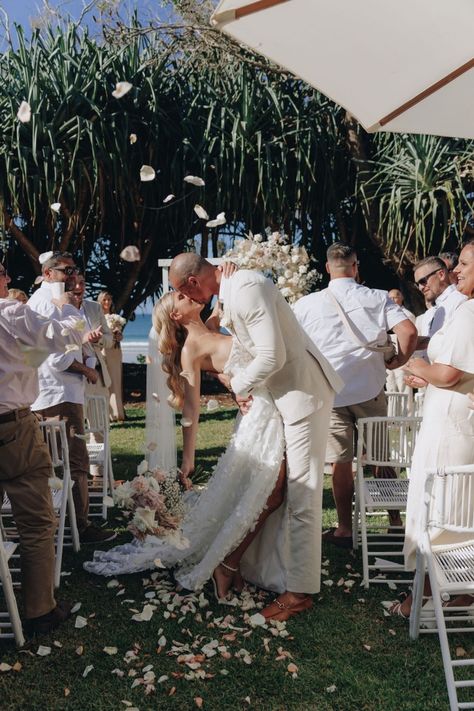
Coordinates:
<point>228,572</point>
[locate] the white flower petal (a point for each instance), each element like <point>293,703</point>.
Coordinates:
<point>133,138</point>
<point>80,622</point>
<point>87,670</point>
<point>24,112</point>
<point>44,257</point>
<point>212,405</point>
<point>110,650</point>
<point>71,347</point>
<point>55,207</point>
<point>169,197</point>
<point>155,396</point>
<point>331,689</point>
<point>130,254</point>
<point>201,212</point>
<point>76,608</point>
<point>121,88</point>
<point>220,220</point>
<point>4,667</point>
<point>194,180</point>
<point>147,173</point>
<point>43,651</point>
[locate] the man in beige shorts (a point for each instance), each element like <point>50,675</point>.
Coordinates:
<point>345,321</point>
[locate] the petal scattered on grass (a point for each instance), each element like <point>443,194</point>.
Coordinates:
<point>110,650</point>
<point>80,622</point>
<point>76,608</point>
<point>87,670</point>
<point>4,667</point>
<point>43,651</point>
<point>331,689</point>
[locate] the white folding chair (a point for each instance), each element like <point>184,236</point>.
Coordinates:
<point>449,558</point>
<point>54,432</point>
<point>10,624</point>
<point>382,442</point>
<point>398,404</point>
<point>96,412</point>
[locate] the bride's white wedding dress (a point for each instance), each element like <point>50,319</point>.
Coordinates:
<point>226,510</point>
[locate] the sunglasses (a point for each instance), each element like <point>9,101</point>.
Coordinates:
<point>424,280</point>
<point>68,271</point>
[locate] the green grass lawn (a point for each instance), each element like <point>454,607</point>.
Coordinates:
<point>345,641</point>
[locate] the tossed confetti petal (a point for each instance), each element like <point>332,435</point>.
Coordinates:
<point>130,253</point>
<point>147,174</point>
<point>24,112</point>
<point>55,207</point>
<point>219,220</point>
<point>169,197</point>
<point>121,88</point>
<point>44,257</point>
<point>133,138</point>
<point>201,212</point>
<point>194,180</point>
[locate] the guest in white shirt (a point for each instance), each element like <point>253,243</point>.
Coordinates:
<point>61,380</point>
<point>395,382</point>
<point>348,345</point>
<point>25,464</point>
<point>433,280</point>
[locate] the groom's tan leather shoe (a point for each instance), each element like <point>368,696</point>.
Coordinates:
<point>282,610</point>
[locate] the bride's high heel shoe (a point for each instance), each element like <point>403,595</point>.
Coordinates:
<point>223,600</point>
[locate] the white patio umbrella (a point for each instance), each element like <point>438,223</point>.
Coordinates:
<point>396,65</point>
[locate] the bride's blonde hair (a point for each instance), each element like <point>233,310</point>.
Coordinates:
<point>171,338</point>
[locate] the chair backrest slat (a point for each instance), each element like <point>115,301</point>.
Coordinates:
<point>449,498</point>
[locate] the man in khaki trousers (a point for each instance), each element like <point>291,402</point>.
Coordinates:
<point>25,464</point>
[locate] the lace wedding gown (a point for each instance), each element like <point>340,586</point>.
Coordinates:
<point>222,515</point>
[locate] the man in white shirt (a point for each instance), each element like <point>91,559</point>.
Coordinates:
<point>432,278</point>
<point>369,314</point>
<point>395,382</point>
<point>62,383</point>
<point>25,464</point>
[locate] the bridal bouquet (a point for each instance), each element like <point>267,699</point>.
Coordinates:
<point>289,265</point>
<point>154,498</point>
<point>115,322</point>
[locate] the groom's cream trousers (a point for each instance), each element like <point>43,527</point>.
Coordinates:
<point>305,453</point>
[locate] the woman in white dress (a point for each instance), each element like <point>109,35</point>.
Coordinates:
<point>446,436</point>
<point>113,358</point>
<point>225,526</point>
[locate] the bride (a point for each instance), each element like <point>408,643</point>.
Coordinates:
<point>235,528</point>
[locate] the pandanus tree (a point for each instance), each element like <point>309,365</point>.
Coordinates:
<point>270,150</point>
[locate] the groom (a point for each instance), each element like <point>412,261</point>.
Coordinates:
<point>302,384</point>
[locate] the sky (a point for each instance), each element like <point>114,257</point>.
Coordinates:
<point>22,11</point>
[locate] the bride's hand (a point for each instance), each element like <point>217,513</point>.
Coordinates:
<point>227,268</point>
<point>184,474</point>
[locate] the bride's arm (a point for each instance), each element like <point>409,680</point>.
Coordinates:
<point>191,406</point>
<point>213,322</point>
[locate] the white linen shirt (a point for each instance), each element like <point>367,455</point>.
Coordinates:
<point>371,313</point>
<point>20,325</point>
<point>445,306</point>
<point>56,385</point>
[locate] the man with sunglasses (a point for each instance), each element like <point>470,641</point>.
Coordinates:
<point>62,379</point>
<point>432,278</point>
<point>25,463</point>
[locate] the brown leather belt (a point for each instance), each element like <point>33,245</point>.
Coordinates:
<point>14,415</point>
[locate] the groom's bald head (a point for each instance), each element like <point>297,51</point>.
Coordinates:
<point>194,276</point>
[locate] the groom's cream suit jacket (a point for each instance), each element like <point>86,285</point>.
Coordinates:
<point>263,322</point>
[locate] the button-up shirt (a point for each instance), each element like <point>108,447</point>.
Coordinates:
<point>371,313</point>
<point>445,306</point>
<point>55,383</point>
<point>23,335</point>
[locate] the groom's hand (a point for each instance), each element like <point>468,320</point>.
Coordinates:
<point>244,403</point>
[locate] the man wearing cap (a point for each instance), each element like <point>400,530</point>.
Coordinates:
<point>25,464</point>
<point>62,387</point>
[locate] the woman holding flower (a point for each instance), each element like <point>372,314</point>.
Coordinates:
<point>113,356</point>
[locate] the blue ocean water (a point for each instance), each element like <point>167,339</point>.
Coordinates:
<point>135,338</point>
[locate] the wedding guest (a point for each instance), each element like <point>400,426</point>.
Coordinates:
<point>18,295</point>
<point>432,278</point>
<point>451,260</point>
<point>446,436</point>
<point>395,382</point>
<point>113,357</point>
<point>62,384</point>
<point>345,321</point>
<point>25,464</point>
<point>423,325</point>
